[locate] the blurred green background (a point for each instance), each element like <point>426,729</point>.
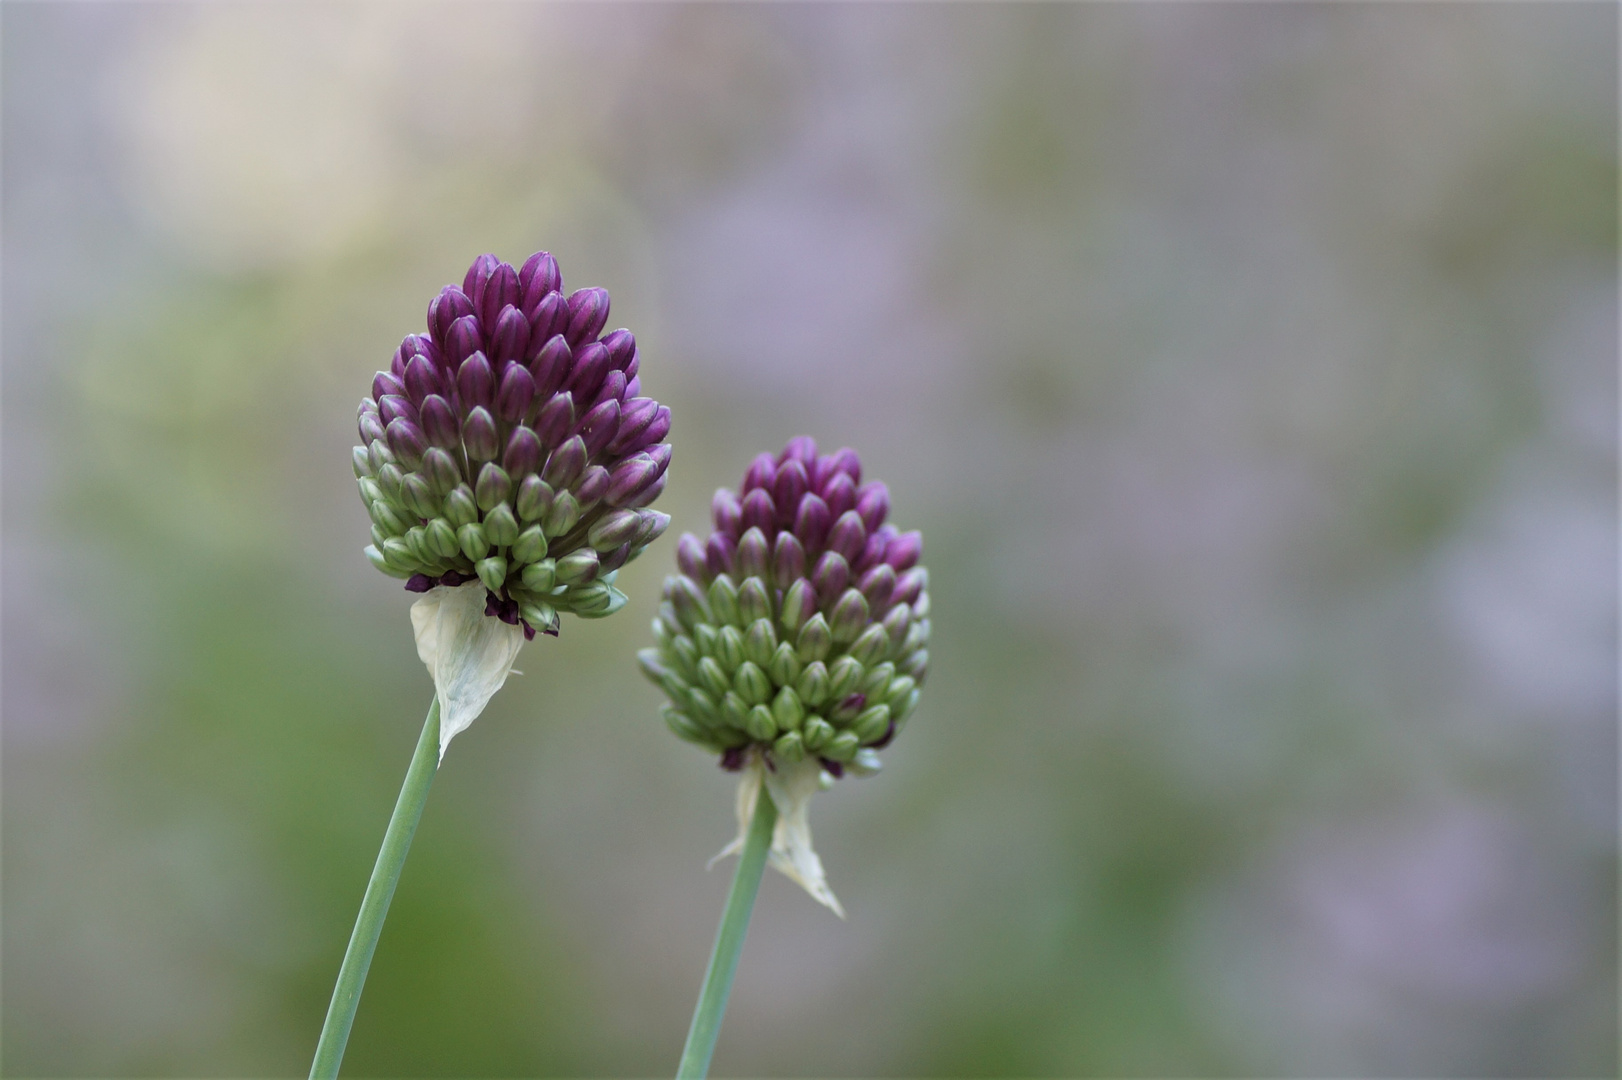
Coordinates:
<point>1251,372</point>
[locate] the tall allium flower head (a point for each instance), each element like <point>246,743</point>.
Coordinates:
<point>799,630</point>
<point>511,444</point>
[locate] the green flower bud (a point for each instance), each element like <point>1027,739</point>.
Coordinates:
<point>704,707</point>
<point>759,725</point>
<point>729,647</point>
<point>849,616</point>
<point>713,678</point>
<point>398,555</point>
<point>723,600</point>
<point>812,685</point>
<point>378,536</point>
<point>844,677</point>
<point>901,708</point>
<point>684,652</point>
<point>460,509</point>
<point>789,748</point>
<point>541,616</point>
<point>917,665</point>
<point>539,577</point>
<point>684,727</point>
<point>492,571</point>
<point>388,481</point>
<point>379,454</point>
<point>760,642</point>
<point>920,606</point>
<point>841,747</point>
<point>530,545</point>
<point>865,762</point>
<point>872,645</point>
<point>687,602</point>
<point>754,601</point>
<point>875,684</point>
<point>796,602</point>
<point>418,496</point>
<point>493,487</point>
<point>896,624</point>
<point>441,471</point>
<point>785,666</point>
<point>386,518</point>
<point>613,529</point>
<point>814,639</point>
<point>816,732</point>
<point>369,491</point>
<point>375,557</point>
<point>534,498</point>
<point>787,710</point>
<point>441,538</point>
<point>562,515</point>
<point>472,539</point>
<point>578,567</point>
<point>898,690</point>
<point>363,462</point>
<point>752,684</point>
<point>708,639</point>
<point>648,661</point>
<point>500,527</point>
<point>871,724</point>
<point>734,710</point>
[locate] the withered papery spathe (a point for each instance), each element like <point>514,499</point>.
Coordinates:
<point>511,445</point>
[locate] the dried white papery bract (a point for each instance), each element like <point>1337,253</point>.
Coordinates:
<point>790,788</point>
<point>468,653</point>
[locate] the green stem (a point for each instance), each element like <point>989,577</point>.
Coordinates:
<point>712,998</point>
<point>329,1052</point>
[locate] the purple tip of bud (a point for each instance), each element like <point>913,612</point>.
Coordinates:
<point>419,583</point>
<point>753,557</point>
<point>908,586</point>
<point>811,522</point>
<point>614,559</point>
<point>371,429</point>
<point>397,366</point>
<point>612,389</point>
<point>801,448</point>
<point>539,275</point>
<point>788,489</point>
<point>661,456</point>
<point>591,488</point>
<point>635,415</point>
<point>516,393</point>
<point>479,435</point>
<point>788,559</point>
<point>830,577</point>
<point>412,345</point>
<point>732,759</point>
<point>847,462</point>
<point>551,364</point>
<point>873,504</point>
<point>500,291</point>
<point>905,550</point>
<point>510,338</point>
<point>690,557</point>
<point>835,769</point>
<point>590,365</point>
<point>621,346</point>
<point>477,274</point>
<point>439,423</point>
<point>873,551</point>
<point>656,430</point>
<point>565,463</point>
<point>822,470</point>
<point>761,473</point>
<point>556,419</point>
<point>421,379</point>
<point>523,453</point>
<point>884,740</point>
<point>726,512</point>
<point>599,425</point>
<point>628,478</point>
<point>848,536</point>
<point>855,703</point>
<point>462,340</point>
<point>650,491</point>
<point>878,585</point>
<point>719,553</point>
<point>633,387</point>
<point>839,494</point>
<point>476,382</point>
<point>407,442</point>
<point>634,364</point>
<point>393,408</point>
<point>385,383</point>
<point>759,512</point>
<point>588,313</point>
<point>451,304</point>
<point>807,594</point>
<point>549,318</point>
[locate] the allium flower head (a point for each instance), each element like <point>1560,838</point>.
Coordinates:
<point>511,444</point>
<point>799,630</point>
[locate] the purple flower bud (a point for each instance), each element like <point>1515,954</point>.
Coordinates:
<point>384,384</point>
<point>550,318</point>
<point>811,523</point>
<point>523,453</point>
<point>661,457</point>
<point>407,442</point>
<point>905,550</point>
<point>759,511</point>
<point>592,486</point>
<point>621,346</point>
<point>653,526</point>
<point>476,382</point>
<point>516,393</point>
<point>878,585</point>
<point>719,553</point>
<point>690,557</point>
<point>439,423</point>
<point>873,504</point>
<point>538,276</point>
<point>629,477</point>
<point>788,489</point>
<point>840,494</point>
<point>635,416</point>
<point>873,551</point>
<point>846,461</point>
<point>566,463</point>
<point>588,311</point>
<point>479,435</point>
<point>633,387</point>
<point>849,616</point>
<point>909,585</point>
<point>556,419</point>
<point>753,556</point>
<point>598,426</point>
<point>492,488</point>
<point>510,338</point>
<point>421,379</point>
<point>451,304</point>
<point>761,473</point>
<point>725,511</point>
<point>477,274</point>
<point>656,430</point>
<point>788,559</point>
<point>847,536</point>
<point>412,345</point>
<point>648,493</point>
<point>371,429</point>
<point>614,559</point>
<point>441,470</point>
<point>823,470</point>
<point>393,408</point>
<point>590,365</point>
<point>500,291</point>
<point>831,576</point>
<point>801,448</point>
<point>551,364</point>
<point>612,389</point>
<point>799,604</point>
<point>463,340</point>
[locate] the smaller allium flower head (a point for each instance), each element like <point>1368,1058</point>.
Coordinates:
<point>794,640</point>
<point>510,445</point>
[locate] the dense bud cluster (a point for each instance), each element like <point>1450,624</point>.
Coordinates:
<point>511,444</point>
<point>801,627</point>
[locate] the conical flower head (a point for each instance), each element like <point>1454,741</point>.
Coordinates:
<point>511,444</point>
<point>799,630</point>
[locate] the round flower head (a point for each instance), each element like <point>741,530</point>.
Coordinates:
<point>798,631</point>
<point>510,444</point>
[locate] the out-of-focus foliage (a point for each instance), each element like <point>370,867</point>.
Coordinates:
<point>1251,371</point>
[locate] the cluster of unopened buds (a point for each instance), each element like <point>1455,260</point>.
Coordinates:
<point>799,630</point>
<point>510,444</point>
